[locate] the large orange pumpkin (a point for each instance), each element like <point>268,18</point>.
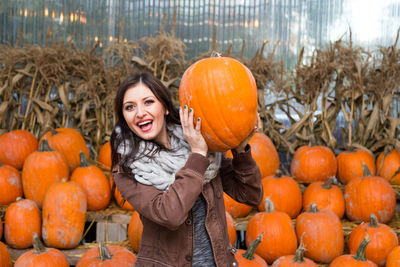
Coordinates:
<point>383,240</point>
<point>94,182</point>
<point>104,157</point>
<point>264,153</point>
<point>41,256</point>
<point>370,194</point>
<point>248,258</point>
<point>15,146</point>
<point>10,184</point>
<point>223,93</point>
<point>325,195</point>
<point>236,209</point>
<point>393,259</point>
<point>5,257</point>
<point>350,164</point>
<point>69,142</point>
<point>389,166</point>
<point>22,220</point>
<point>135,230</point>
<point>63,215</point>
<point>323,234</point>
<point>110,256</point>
<point>279,237</point>
<point>42,169</point>
<point>313,163</point>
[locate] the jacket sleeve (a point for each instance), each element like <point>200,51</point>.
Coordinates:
<point>241,178</point>
<point>168,208</point>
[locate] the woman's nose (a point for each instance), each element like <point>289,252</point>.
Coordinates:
<point>140,111</point>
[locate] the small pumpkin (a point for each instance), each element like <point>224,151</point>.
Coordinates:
<point>248,258</point>
<point>325,195</point>
<point>369,194</point>
<point>393,259</point>
<point>121,202</point>
<point>313,163</point>
<point>358,260</point>
<point>10,184</point>
<point>350,164</point>
<point>104,157</point>
<point>236,209</point>
<point>388,165</point>
<point>323,234</point>
<point>135,230</point>
<point>41,256</point>
<point>284,192</point>
<point>69,142</point>
<point>63,215</point>
<point>5,257</point>
<point>110,256</point>
<point>231,228</point>
<point>383,240</point>
<point>279,237</point>
<point>42,168</point>
<point>94,182</point>
<point>16,146</point>
<point>17,233</point>
<point>223,93</point>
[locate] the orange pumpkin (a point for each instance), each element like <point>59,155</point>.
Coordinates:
<point>104,157</point>
<point>231,228</point>
<point>10,184</point>
<point>325,195</point>
<point>42,169</point>
<point>350,164</point>
<point>69,142</point>
<point>5,257</point>
<point>110,256</point>
<point>17,233</point>
<point>95,184</point>
<point>323,234</point>
<point>284,192</point>
<point>393,259</point>
<point>15,146</point>
<point>121,202</point>
<point>297,260</point>
<point>370,194</point>
<point>236,209</point>
<point>63,215</point>
<point>313,163</point>
<point>248,258</point>
<point>264,153</point>
<point>279,237</point>
<point>1,228</point>
<point>383,240</point>
<point>389,166</point>
<point>357,260</point>
<point>135,230</point>
<point>223,93</point>
<point>41,256</point>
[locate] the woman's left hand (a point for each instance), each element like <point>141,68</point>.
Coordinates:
<point>243,144</point>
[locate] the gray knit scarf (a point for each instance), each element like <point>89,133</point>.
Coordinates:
<point>160,170</point>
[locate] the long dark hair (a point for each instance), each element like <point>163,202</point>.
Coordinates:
<point>122,132</point>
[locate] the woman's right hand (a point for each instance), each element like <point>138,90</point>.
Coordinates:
<point>192,133</point>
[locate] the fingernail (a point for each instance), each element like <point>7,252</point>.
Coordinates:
<point>179,107</point>
<point>198,119</point>
<point>190,110</point>
<point>185,107</point>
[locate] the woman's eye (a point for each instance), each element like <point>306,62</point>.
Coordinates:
<point>129,107</point>
<point>149,101</point>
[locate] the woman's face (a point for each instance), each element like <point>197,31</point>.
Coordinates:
<point>145,114</point>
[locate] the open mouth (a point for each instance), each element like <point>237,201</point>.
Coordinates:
<point>145,126</point>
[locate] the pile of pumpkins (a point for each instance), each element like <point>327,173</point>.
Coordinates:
<point>48,186</point>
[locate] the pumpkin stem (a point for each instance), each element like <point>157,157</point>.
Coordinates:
<point>328,183</point>
<point>360,255</point>
<point>104,252</point>
<point>19,198</point>
<point>269,205</point>
<point>44,146</point>
<point>299,255</point>
<point>215,54</point>
<point>83,160</point>
<point>249,254</point>
<point>313,207</point>
<point>53,131</point>
<point>373,221</point>
<point>38,245</point>
<point>312,141</point>
<point>366,171</point>
<point>278,173</point>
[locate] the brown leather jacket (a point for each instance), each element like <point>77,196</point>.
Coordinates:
<point>167,238</point>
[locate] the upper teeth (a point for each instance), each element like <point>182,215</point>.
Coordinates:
<point>143,123</point>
